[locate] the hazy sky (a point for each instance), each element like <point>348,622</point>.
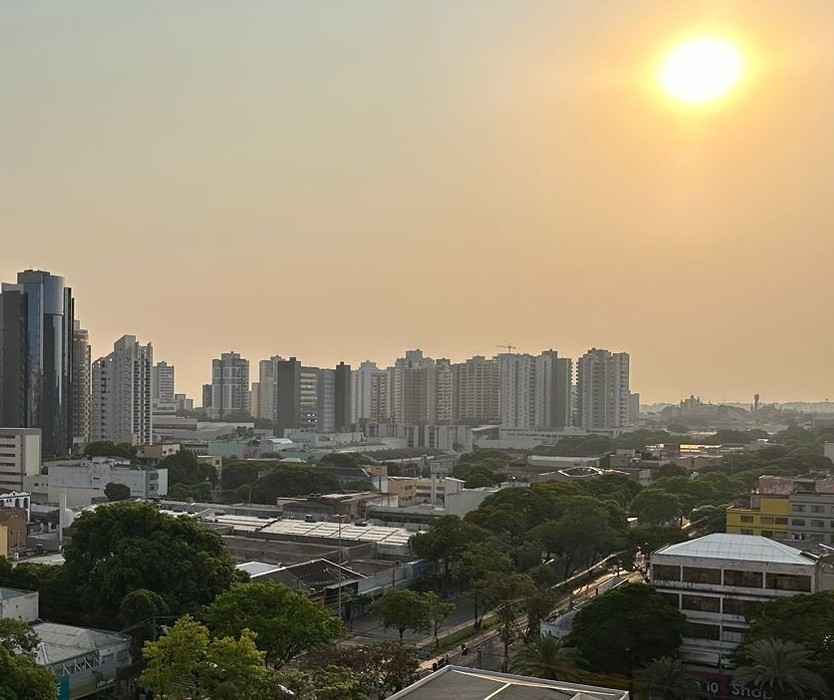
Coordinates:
<point>344,180</point>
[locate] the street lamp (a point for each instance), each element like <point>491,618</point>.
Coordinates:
<point>394,567</point>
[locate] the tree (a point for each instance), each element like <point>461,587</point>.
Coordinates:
<point>645,540</point>
<point>187,663</point>
<point>285,622</point>
<point>121,547</point>
<point>440,610</point>
<point>666,679</point>
<point>804,619</point>
<point>402,609</point>
<point>545,657</point>
<point>18,637</point>
<point>199,492</point>
<point>782,669</point>
<point>445,541</point>
<point>116,492</point>
<point>137,613</point>
<point>472,570</point>
<point>184,468</point>
<point>22,679</point>
<point>326,683</point>
<point>654,506</point>
<point>626,628</point>
<point>390,665</point>
<point>586,532</point>
<point>107,448</point>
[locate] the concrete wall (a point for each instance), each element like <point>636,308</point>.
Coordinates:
<point>18,605</point>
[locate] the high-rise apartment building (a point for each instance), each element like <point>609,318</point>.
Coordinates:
<point>475,391</point>
<point>535,390</point>
<point>121,395</point>
<point>229,388</point>
<point>162,383</point>
<point>421,390</point>
<point>81,387</point>
<point>36,368</point>
<point>342,397</point>
<point>370,394</point>
<point>603,387</point>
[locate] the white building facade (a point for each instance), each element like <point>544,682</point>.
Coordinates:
<point>715,580</point>
<point>603,390</point>
<point>87,480</point>
<point>121,395</point>
<point>20,456</point>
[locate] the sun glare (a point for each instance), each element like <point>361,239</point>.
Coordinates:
<point>701,70</point>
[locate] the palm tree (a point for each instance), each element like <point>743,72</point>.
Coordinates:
<point>666,679</point>
<point>781,668</point>
<point>545,657</point>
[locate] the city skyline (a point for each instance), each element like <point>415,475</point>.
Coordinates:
<point>436,175</point>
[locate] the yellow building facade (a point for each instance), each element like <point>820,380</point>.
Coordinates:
<point>767,516</point>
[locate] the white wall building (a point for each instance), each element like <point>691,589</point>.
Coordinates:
<point>535,390</point>
<point>121,398</point>
<point>86,480</point>
<point>162,383</point>
<point>370,394</point>
<point>20,456</point>
<point>603,390</point>
<point>18,605</point>
<point>715,580</point>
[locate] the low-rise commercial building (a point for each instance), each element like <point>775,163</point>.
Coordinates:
<point>716,580</point>
<point>20,456</point>
<point>86,481</point>
<point>784,508</point>
<point>13,530</point>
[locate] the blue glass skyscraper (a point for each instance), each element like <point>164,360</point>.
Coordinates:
<point>36,325</point>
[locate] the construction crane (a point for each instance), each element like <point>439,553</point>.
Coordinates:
<point>509,347</point>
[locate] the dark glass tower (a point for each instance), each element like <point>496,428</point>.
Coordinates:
<point>36,325</point>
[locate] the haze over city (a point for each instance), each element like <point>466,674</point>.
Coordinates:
<point>344,181</point>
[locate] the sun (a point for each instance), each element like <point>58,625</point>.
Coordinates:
<point>702,70</point>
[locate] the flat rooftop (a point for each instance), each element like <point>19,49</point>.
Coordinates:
<point>397,536</point>
<point>459,683</point>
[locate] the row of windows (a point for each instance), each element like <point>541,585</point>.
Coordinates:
<point>713,604</point>
<point>800,522</point>
<point>802,508</point>
<point>732,577</point>
<point>696,630</point>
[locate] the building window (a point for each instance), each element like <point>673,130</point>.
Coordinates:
<point>789,582</point>
<point>747,518</point>
<point>767,520</point>
<point>818,509</point>
<point>817,523</point>
<point>737,606</point>
<point>746,531</point>
<point>732,634</point>
<point>666,573</point>
<point>797,508</point>
<point>701,603</point>
<point>696,630</point>
<point>744,579</point>
<point>798,522</point>
<point>692,574</point>
<point>767,533</point>
<point>781,521</point>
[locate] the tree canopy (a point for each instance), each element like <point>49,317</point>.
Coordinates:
<point>625,629</point>
<point>285,622</point>
<point>121,547</point>
<point>402,609</point>
<point>116,492</point>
